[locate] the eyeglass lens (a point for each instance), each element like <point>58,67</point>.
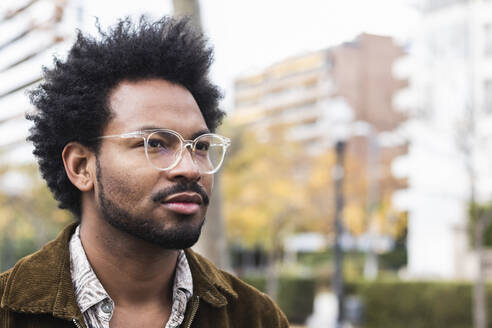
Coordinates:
<point>164,148</point>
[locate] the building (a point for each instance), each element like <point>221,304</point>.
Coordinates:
<point>31,32</point>
<point>341,92</point>
<point>450,101</point>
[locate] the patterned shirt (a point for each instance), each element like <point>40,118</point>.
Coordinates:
<point>95,303</point>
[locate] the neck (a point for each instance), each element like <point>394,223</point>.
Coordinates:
<point>133,272</point>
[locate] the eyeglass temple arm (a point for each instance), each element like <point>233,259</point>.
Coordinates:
<point>124,135</point>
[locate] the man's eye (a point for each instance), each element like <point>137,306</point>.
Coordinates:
<point>202,146</point>
<point>156,143</point>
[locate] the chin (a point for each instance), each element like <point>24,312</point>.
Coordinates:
<point>182,234</point>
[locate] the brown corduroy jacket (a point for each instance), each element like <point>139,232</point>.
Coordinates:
<point>38,292</point>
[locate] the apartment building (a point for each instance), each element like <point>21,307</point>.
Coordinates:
<point>345,92</point>
<point>450,102</point>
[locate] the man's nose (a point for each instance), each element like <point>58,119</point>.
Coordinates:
<point>186,167</point>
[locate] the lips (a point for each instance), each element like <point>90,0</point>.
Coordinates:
<point>183,203</point>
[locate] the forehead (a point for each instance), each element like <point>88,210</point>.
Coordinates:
<point>156,103</point>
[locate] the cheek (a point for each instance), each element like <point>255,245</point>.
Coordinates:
<point>119,186</point>
<point>123,184</point>
<point>208,183</point>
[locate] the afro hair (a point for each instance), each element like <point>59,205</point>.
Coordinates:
<point>72,101</point>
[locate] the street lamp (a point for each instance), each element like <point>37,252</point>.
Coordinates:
<point>338,175</point>
<point>339,118</point>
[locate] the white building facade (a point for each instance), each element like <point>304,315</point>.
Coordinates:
<point>450,100</point>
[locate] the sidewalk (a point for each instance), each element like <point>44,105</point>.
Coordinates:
<point>325,311</point>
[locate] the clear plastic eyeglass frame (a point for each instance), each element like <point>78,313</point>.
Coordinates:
<point>145,135</point>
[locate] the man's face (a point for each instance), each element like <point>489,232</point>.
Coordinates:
<point>162,207</point>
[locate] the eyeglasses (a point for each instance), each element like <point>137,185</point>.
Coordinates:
<point>164,148</point>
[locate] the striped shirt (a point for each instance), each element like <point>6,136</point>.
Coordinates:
<point>95,303</point>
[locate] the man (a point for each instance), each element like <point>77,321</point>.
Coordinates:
<point>123,133</point>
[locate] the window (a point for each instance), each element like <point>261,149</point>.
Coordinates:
<point>487,99</point>
<point>487,37</point>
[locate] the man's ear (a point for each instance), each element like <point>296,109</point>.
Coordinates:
<point>78,162</point>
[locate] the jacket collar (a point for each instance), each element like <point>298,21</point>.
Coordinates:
<point>42,283</point>
<point>209,283</point>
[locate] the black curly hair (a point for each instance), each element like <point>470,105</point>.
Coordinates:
<point>72,101</point>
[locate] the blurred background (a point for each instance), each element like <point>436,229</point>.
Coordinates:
<point>358,188</point>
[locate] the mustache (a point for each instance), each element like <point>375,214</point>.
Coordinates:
<point>181,187</point>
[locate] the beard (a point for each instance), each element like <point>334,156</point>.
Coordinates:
<point>180,236</point>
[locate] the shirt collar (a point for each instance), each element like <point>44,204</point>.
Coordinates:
<point>182,278</point>
<point>88,289</point>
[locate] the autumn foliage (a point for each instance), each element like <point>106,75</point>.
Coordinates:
<point>273,188</point>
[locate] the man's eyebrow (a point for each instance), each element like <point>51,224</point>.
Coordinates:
<point>199,133</point>
<point>153,127</point>
<point>147,127</point>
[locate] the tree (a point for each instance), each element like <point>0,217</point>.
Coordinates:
<point>357,214</point>
<point>467,142</point>
<point>274,188</point>
<point>28,219</point>
<point>263,199</point>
